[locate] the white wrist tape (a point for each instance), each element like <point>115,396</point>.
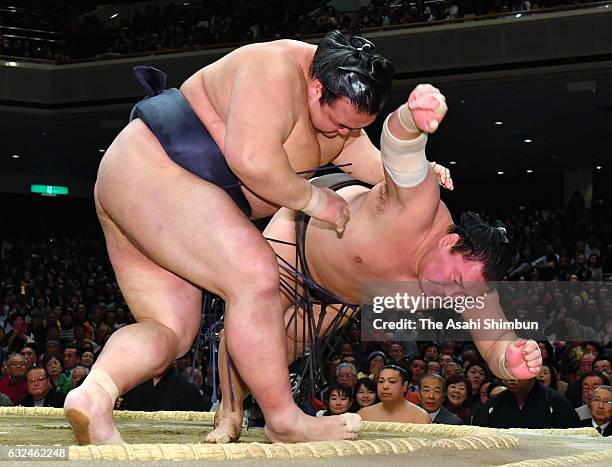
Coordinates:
<point>316,203</point>
<point>502,368</point>
<point>404,161</point>
<point>403,112</point>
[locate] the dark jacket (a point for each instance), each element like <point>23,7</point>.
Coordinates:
<point>446,417</point>
<point>53,399</point>
<point>172,392</point>
<point>544,408</point>
<point>606,432</point>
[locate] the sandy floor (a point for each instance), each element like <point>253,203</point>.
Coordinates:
<point>55,431</point>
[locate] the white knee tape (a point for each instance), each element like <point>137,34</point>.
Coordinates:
<point>102,378</point>
<point>404,161</point>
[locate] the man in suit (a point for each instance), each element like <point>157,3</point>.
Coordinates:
<point>170,391</point>
<point>39,389</point>
<point>601,410</point>
<point>432,388</point>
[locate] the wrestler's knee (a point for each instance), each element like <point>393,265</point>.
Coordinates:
<point>258,278</point>
<point>184,341</point>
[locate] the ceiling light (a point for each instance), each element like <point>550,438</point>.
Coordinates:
<point>500,172</point>
<point>529,171</point>
<point>599,167</point>
<point>527,140</point>
<point>518,15</point>
<point>452,162</point>
<point>114,16</point>
<point>11,63</point>
<point>15,156</point>
<point>101,151</point>
<point>498,123</point>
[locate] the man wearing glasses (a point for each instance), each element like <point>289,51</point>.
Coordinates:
<point>39,389</point>
<point>601,410</point>
<point>13,384</point>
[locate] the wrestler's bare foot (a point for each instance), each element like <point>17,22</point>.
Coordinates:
<point>89,410</point>
<point>228,426</point>
<point>299,427</point>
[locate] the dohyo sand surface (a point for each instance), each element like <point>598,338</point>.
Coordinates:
<point>451,448</point>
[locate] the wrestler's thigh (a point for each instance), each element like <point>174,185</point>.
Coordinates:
<point>179,221</point>
<point>151,291</point>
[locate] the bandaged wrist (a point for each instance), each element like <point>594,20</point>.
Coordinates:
<point>316,203</point>
<point>504,373</point>
<point>404,160</point>
<point>403,113</point>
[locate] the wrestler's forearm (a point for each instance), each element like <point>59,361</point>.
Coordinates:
<point>274,180</point>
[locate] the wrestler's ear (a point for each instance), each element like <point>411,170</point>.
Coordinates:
<point>448,240</point>
<point>315,89</point>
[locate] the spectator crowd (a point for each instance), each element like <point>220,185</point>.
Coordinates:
<point>60,303</point>
<point>68,30</point>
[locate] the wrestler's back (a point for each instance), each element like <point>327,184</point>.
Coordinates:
<point>209,93</point>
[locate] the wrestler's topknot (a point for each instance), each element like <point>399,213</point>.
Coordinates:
<point>488,244</point>
<point>349,67</point>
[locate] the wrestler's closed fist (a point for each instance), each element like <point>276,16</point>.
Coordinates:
<point>523,359</point>
<point>427,107</point>
<point>334,210</point>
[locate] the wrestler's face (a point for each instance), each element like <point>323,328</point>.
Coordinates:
<point>443,273</point>
<point>338,118</point>
<point>390,386</point>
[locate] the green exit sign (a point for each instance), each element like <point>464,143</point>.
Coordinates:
<point>49,190</point>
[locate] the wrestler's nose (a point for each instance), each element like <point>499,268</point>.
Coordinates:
<point>343,131</point>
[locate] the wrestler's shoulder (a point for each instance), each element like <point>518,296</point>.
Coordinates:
<point>273,56</point>
<point>367,413</point>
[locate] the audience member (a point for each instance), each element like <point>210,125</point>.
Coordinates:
<point>528,404</point>
<point>40,390</point>
<point>432,390</point>
<point>171,391</point>
<point>13,384</point>
<point>339,400</point>
<point>589,383</point>
<point>365,393</point>
<point>58,379</point>
<point>601,409</point>
<point>457,397</point>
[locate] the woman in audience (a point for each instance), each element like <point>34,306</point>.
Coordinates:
<point>457,395</point>
<point>365,393</point>
<point>55,368</point>
<point>376,360</point>
<point>339,400</point>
